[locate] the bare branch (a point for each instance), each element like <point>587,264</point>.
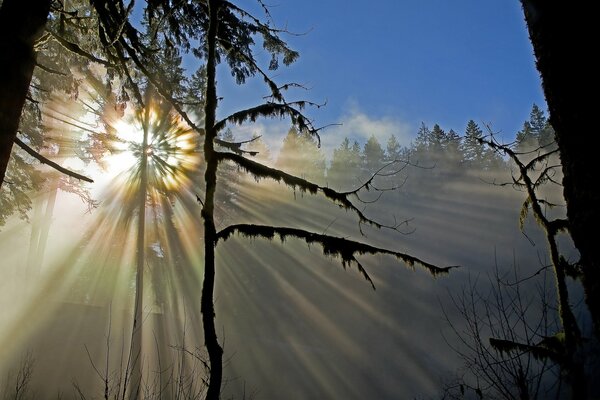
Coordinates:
<point>52,164</point>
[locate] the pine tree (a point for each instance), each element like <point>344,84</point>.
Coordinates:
<point>423,140</point>
<point>373,155</point>
<point>393,150</point>
<point>345,165</point>
<point>536,132</point>
<point>301,155</point>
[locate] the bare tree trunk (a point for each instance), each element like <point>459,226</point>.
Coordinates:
<point>215,352</point>
<point>136,355</point>
<point>561,38</point>
<point>563,42</point>
<point>21,22</point>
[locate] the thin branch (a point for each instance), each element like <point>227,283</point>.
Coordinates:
<point>340,199</point>
<point>49,70</point>
<point>52,164</point>
<point>74,48</point>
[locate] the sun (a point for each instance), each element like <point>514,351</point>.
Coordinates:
<point>157,140</point>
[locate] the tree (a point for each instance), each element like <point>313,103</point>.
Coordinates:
<point>21,24</point>
<point>393,149</point>
<point>474,153</point>
<point>506,312</point>
<point>300,155</point>
<point>214,31</point>
<point>345,165</point>
<point>565,347</point>
<point>536,132</point>
<point>373,155</point>
<point>567,80</point>
<point>228,24</point>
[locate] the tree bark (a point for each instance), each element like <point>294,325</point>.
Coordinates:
<point>21,23</point>
<point>214,349</point>
<point>563,43</point>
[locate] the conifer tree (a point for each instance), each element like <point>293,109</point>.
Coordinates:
<point>536,132</point>
<point>393,150</point>
<point>373,155</point>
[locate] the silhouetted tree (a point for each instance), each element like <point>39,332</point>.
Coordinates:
<point>476,155</point>
<point>230,33</point>
<point>506,309</point>
<point>568,80</point>
<point>21,24</point>
<point>565,347</point>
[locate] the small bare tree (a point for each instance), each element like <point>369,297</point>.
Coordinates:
<point>509,310</point>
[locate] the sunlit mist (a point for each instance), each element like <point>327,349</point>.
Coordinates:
<point>73,275</point>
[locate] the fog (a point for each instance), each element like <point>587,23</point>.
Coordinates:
<point>294,323</point>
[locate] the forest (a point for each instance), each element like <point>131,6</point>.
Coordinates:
<point>160,240</point>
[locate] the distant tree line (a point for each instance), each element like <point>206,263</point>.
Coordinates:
<point>445,153</point>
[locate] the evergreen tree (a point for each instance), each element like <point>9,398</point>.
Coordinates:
<point>301,155</point>
<point>452,145</point>
<point>473,151</point>
<point>393,150</point>
<point>373,155</point>
<point>438,140</point>
<point>423,139</point>
<point>345,165</point>
<point>536,132</point>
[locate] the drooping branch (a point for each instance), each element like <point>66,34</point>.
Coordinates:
<point>346,249</point>
<point>270,110</point>
<point>342,200</point>
<point>50,163</point>
<point>236,147</point>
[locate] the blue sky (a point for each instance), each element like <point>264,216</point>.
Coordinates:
<point>388,65</point>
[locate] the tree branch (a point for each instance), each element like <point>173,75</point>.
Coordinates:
<point>346,249</point>
<point>340,199</point>
<point>52,164</point>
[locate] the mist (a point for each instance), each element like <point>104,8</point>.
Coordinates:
<point>294,322</point>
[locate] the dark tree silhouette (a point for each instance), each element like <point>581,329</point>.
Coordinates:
<point>21,24</point>
<point>227,25</point>
<point>562,37</point>
<point>508,311</point>
<point>564,347</point>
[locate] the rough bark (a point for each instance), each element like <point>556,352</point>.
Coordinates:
<point>214,349</point>
<point>563,43</point>
<point>21,22</point>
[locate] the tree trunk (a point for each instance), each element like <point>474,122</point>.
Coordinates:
<point>21,23</point>
<point>136,353</point>
<point>563,43</point>
<point>215,352</point>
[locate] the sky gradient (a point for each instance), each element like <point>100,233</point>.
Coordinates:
<point>399,63</point>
